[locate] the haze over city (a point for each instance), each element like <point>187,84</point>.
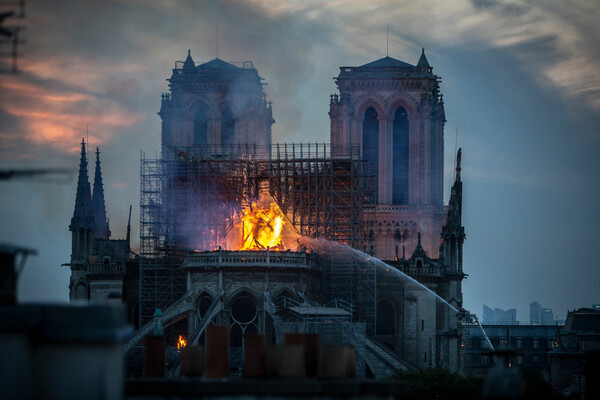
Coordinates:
<point>521,91</point>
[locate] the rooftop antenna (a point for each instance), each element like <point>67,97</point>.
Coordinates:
<point>387,42</point>
<point>217,40</point>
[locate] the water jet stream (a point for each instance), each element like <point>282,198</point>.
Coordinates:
<point>323,246</point>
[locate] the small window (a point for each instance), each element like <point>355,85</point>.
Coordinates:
<point>485,360</point>
<point>535,360</point>
<point>536,344</point>
<point>519,343</point>
<point>483,344</point>
<point>519,359</point>
<point>422,324</point>
<point>503,342</point>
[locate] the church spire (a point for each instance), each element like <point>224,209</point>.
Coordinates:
<point>455,203</point>
<point>82,215</point>
<point>419,251</point>
<point>453,233</point>
<point>458,169</point>
<point>101,230</point>
<point>423,60</point>
<point>189,62</point>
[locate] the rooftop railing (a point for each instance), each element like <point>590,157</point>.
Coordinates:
<point>257,258</point>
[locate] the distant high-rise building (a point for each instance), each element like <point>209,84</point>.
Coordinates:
<point>539,315</point>
<point>535,313</point>
<point>498,315</point>
<point>547,316</point>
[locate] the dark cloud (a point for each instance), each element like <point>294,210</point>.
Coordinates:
<point>506,8</point>
<point>520,82</point>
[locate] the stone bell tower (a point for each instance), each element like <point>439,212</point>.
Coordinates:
<point>394,113</point>
<point>215,108</point>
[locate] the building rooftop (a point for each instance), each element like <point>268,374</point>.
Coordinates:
<point>217,63</point>
<point>583,320</point>
<point>387,62</point>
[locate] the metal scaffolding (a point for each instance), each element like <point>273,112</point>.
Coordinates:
<point>189,200</point>
<point>187,203</point>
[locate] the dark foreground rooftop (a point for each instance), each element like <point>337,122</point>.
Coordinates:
<point>276,388</point>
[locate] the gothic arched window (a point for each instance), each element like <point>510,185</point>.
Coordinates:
<point>400,157</point>
<point>203,304</point>
<point>371,146</point>
<point>200,128</point>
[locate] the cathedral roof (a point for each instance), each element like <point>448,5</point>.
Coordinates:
<point>387,62</point>
<point>217,63</point>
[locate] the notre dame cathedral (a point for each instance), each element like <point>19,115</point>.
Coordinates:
<point>376,187</point>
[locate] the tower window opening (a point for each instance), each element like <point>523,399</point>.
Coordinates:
<point>371,146</point>
<point>400,157</point>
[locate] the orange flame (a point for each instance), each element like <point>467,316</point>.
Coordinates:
<point>261,227</point>
<point>181,343</point>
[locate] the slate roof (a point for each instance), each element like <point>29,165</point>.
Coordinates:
<point>387,62</point>
<point>217,63</point>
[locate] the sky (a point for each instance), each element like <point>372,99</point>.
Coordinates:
<point>521,87</point>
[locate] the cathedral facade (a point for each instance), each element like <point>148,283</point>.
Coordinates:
<point>215,107</point>
<point>216,138</point>
<point>394,113</point>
